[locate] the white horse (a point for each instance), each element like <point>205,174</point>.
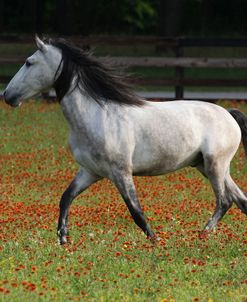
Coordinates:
<point>115,134</point>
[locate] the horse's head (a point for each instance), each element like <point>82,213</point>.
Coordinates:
<point>36,75</point>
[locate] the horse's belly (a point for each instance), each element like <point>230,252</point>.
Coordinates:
<point>161,161</point>
<point>160,169</point>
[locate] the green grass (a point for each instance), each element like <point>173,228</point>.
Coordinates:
<point>108,258</point>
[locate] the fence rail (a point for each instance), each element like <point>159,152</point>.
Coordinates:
<point>179,62</point>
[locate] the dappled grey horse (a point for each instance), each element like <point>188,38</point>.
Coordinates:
<point>115,134</point>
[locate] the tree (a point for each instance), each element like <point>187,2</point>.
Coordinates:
<point>1,15</point>
<point>39,16</point>
<point>170,13</point>
<point>63,17</point>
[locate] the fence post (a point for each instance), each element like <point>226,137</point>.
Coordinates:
<point>179,72</point>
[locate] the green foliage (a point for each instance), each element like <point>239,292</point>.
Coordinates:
<point>82,17</point>
<point>141,15</point>
<point>131,16</point>
<point>195,17</point>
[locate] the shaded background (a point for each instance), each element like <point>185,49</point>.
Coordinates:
<point>152,17</point>
<point>140,28</point>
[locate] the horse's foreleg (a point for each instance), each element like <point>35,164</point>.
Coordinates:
<point>82,181</point>
<point>126,187</point>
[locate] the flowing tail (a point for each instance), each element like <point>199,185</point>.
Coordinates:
<point>235,193</point>
<point>241,119</point>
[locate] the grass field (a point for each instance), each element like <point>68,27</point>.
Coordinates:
<point>108,258</point>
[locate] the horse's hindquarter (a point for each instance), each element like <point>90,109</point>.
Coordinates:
<point>173,135</point>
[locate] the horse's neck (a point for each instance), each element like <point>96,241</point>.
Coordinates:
<point>78,109</point>
<point>85,115</point>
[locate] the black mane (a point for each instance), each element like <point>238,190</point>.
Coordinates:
<point>93,77</point>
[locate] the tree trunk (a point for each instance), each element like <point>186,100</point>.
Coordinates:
<point>2,16</point>
<point>63,24</point>
<point>39,25</point>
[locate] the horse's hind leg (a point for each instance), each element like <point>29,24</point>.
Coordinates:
<point>236,195</point>
<point>82,181</point>
<point>124,183</point>
<point>223,204</point>
<point>216,172</point>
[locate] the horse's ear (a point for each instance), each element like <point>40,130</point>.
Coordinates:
<point>40,44</point>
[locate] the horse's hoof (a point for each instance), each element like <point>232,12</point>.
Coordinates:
<point>154,239</point>
<point>62,240</point>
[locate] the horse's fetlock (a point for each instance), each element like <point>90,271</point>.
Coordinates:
<point>62,232</point>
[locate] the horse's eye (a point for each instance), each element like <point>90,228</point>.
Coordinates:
<point>28,64</point>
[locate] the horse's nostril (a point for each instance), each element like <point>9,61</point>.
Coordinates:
<point>6,95</point>
<point>11,99</point>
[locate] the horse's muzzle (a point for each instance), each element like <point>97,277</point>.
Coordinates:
<point>11,99</point>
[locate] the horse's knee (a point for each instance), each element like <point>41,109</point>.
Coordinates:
<point>67,196</point>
